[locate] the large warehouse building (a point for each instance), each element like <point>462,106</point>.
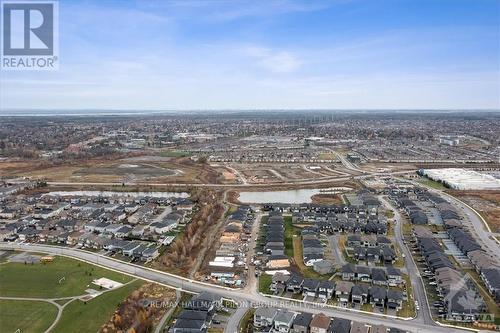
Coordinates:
<point>461,179</point>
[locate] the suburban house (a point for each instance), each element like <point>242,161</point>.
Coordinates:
<point>264,317</point>
<point>326,290</point>
<point>340,325</point>
<point>310,287</point>
<point>378,296</point>
<point>343,291</point>
<point>283,321</point>
<point>320,323</point>
<point>359,294</point>
<point>301,323</point>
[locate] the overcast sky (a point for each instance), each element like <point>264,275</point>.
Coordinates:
<point>268,54</point>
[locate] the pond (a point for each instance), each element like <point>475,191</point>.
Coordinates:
<point>287,196</point>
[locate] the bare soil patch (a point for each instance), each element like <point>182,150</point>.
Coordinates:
<point>487,203</point>
<point>327,199</point>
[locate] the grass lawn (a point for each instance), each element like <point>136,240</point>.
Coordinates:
<point>406,228</point>
<point>289,233</point>
<point>265,281</point>
<point>246,323</point>
<point>327,156</point>
<point>27,316</point>
<point>42,280</point>
<point>215,330</point>
<point>408,309</point>
<point>230,210</point>
<point>431,183</point>
<point>174,153</point>
<point>400,261</point>
<point>366,307</point>
<point>80,317</point>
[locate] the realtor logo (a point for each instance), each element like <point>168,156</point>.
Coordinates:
<point>29,35</point>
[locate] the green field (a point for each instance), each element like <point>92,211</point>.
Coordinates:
<point>27,316</point>
<point>44,280</point>
<point>431,183</point>
<point>80,317</point>
<point>265,281</point>
<point>289,233</point>
<point>175,153</point>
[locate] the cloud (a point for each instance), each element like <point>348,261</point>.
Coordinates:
<point>274,61</point>
<point>229,10</point>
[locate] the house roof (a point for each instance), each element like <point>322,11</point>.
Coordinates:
<point>377,292</point>
<point>189,324</point>
<point>348,269</point>
<point>310,284</point>
<point>359,290</point>
<point>284,316</point>
<point>340,325</point>
<point>378,274</point>
<point>394,295</point>
<point>266,312</point>
<point>357,327</point>
<point>344,286</point>
<point>391,270</point>
<point>302,319</point>
<point>193,315</point>
<point>378,329</point>
<point>320,321</point>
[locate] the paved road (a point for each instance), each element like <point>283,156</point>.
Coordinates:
<point>339,257</point>
<point>252,282</point>
<point>424,314</point>
<point>234,320</point>
<point>244,298</point>
<point>479,225</point>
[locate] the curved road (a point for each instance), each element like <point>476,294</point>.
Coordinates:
<point>245,299</point>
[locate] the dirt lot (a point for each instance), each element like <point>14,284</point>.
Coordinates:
<point>487,203</point>
<point>283,172</point>
<point>143,169</point>
<point>381,167</point>
<point>327,199</point>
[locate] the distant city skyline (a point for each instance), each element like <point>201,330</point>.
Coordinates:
<point>233,55</point>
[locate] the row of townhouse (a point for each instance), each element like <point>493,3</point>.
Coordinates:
<point>321,211</point>
<point>389,276</point>
<point>371,249</point>
<point>461,299</point>
<point>312,249</point>
<point>228,264</point>
<point>344,292</point>
<point>269,319</point>
<point>487,266</point>
<point>197,314</point>
<point>275,242</point>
